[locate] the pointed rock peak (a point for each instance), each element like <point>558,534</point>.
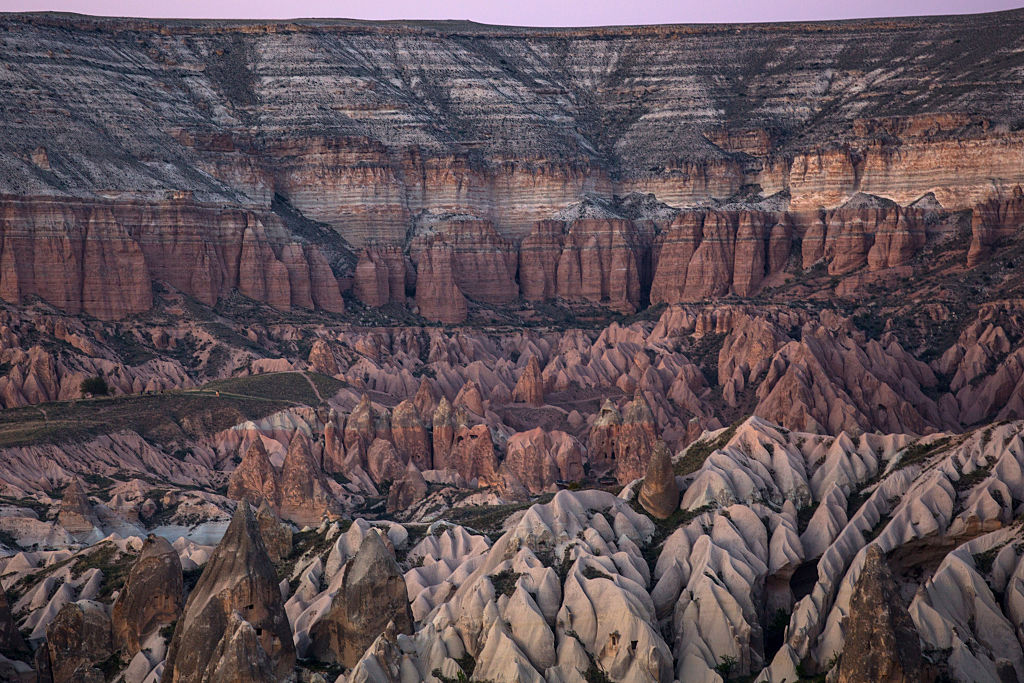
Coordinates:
<point>659,493</point>
<point>882,643</point>
<point>530,387</point>
<point>406,415</point>
<point>364,407</point>
<point>255,478</point>
<point>321,358</point>
<point>469,397</point>
<point>76,513</point>
<point>863,200</point>
<point>151,597</point>
<point>638,411</point>
<point>372,593</point>
<point>443,414</point>
<point>299,452</point>
<point>239,655</point>
<point>424,398</point>
<point>237,577</point>
<point>609,414</point>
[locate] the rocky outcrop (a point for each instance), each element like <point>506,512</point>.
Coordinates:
<point>152,596</point>
<point>277,537</point>
<point>372,594</point>
<point>321,359</point>
<point>483,262</point>
<point>76,512</point>
<point>437,296</point>
<point>407,491</point>
<point>659,493</point>
<point>635,440</point>
<point>538,459</point>
<point>305,495</point>
<point>530,386</point>
<point>472,455</point>
<point>110,251</point>
<point>255,478</point>
<point>77,640</point>
<point>239,656</point>
<point>443,434</point>
<point>603,436</point>
<point>882,643</point>
<point>995,220</point>
<point>410,435</point>
<point>237,579</point>
<point>360,429</point>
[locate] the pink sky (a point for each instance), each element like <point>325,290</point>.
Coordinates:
<point>522,12</point>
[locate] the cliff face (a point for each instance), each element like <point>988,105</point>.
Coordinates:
<point>362,130</point>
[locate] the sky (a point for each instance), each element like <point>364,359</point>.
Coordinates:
<point>522,12</point>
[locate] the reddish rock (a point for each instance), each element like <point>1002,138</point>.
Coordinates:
<point>323,286</point>
<point>76,513</point>
<point>305,494</point>
<point>443,434</point>
<point>77,641</point>
<point>407,491</point>
<point>370,283</point>
<point>994,220</point>
<point>334,444</point>
<point>469,398</point>
<point>410,436</point>
<point>321,359</point>
<point>530,386</point>
<point>383,462</point>
<point>659,494</point>
<point>635,440</point>
<point>881,642</point>
<point>238,578</point>
<point>483,262</point>
<point>277,537</point>
<point>472,455</point>
<point>437,295</point>
<point>255,478</point>
<point>360,429</point>
<point>537,459</point>
<point>603,435</point>
<point>424,401</point>
<point>372,595</point>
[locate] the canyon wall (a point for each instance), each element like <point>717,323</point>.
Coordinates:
<point>166,151</point>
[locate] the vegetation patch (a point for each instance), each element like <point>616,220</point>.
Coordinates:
<point>504,582</point>
<point>109,559</point>
<point>694,456</point>
<point>917,453</point>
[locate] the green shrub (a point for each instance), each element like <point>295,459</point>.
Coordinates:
<point>97,386</point>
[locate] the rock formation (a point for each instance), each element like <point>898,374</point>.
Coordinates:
<point>11,640</point>
<point>321,359</point>
<point>151,597</point>
<point>277,537</point>
<point>372,594</point>
<point>635,440</point>
<point>78,639</point>
<point>411,438</point>
<point>659,493</point>
<point>437,295</point>
<point>305,495</point>
<point>76,513</point>
<point>255,478</point>
<point>237,579</point>
<point>530,386</point>
<point>407,491</point>
<point>882,643</point>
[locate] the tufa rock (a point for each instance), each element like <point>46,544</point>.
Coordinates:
<point>237,578</point>
<point>407,491</point>
<point>321,359</point>
<point>882,643</point>
<point>277,537</point>
<point>78,639</point>
<point>410,435</point>
<point>305,494</point>
<point>530,387</point>
<point>659,494</point>
<point>372,594</point>
<point>255,478</point>
<point>152,596</point>
<point>76,513</point>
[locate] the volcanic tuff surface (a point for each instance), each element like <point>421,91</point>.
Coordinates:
<point>439,351</point>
